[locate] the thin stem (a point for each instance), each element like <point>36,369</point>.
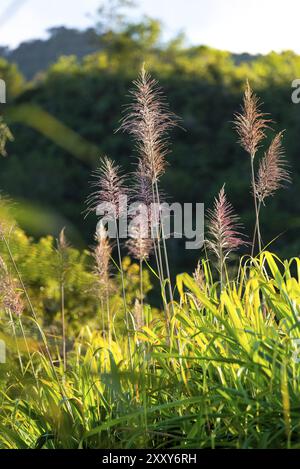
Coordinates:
<point>124,295</point>
<point>157,261</point>
<point>141,290</point>
<point>38,326</point>
<point>221,261</point>
<point>108,316</point>
<point>63,322</point>
<point>16,339</point>
<point>256,208</point>
<point>168,274</point>
<point>157,239</point>
<point>102,314</point>
<point>27,348</point>
<point>165,254</point>
<point>255,229</point>
<point>19,276</point>
<point>157,250</point>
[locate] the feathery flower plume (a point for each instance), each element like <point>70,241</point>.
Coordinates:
<point>251,123</point>
<point>149,121</point>
<point>62,249</point>
<point>138,315</point>
<point>112,194</point>
<point>272,172</point>
<point>5,136</point>
<point>223,228</point>
<point>102,254</point>
<point>199,276</point>
<point>3,265</point>
<point>140,243</point>
<point>62,240</point>
<point>11,296</point>
<point>63,253</point>
<point>142,188</point>
<point>110,188</point>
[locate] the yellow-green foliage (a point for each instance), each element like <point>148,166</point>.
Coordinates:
<point>228,375</point>
<point>40,266</point>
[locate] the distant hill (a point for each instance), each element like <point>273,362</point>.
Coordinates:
<point>244,57</point>
<point>35,56</point>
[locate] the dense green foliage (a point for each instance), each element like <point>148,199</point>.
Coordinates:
<point>204,88</point>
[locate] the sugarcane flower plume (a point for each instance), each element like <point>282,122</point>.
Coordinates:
<point>5,136</point>
<point>199,276</point>
<point>62,240</point>
<point>138,315</point>
<point>251,123</point>
<point>110,190</point>
<point>142,186</point>
<point>102,255</point>
<point>223,227</point>
<point>10,294</point>
<point>272,172</point>
<point>63,252</point>
<point>149,121</point>
<point>140,244</point>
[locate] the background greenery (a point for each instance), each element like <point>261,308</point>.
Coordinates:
<point>65,112</point>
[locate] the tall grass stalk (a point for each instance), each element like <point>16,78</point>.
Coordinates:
<point>257,210</point>
<point>12,323</point>
<point>63,324</point>
<point>158,256</point>
<point>27,347</point>
<point>36,322</point>
<point>63,269</point>
<point>149,121</point>
<point>168,276</point>
<point>102,257</point>
<point>124,297</point>
<point>251,125</point>
<point>142,291</point>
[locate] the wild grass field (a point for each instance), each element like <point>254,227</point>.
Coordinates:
<point>90,363</point>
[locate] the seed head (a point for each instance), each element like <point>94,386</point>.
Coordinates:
<point>138,315</point>
<point>102,254</point>
<point>149,121</point>
<point>110,188</point>
<point>251,123</point>
<point>5,136</point>
<point>10,294</point>
<point>140,243</point>
<point>223,227</point>
<point>272,172</point>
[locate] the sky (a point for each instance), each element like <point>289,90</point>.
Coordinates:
<point>254,26</point>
